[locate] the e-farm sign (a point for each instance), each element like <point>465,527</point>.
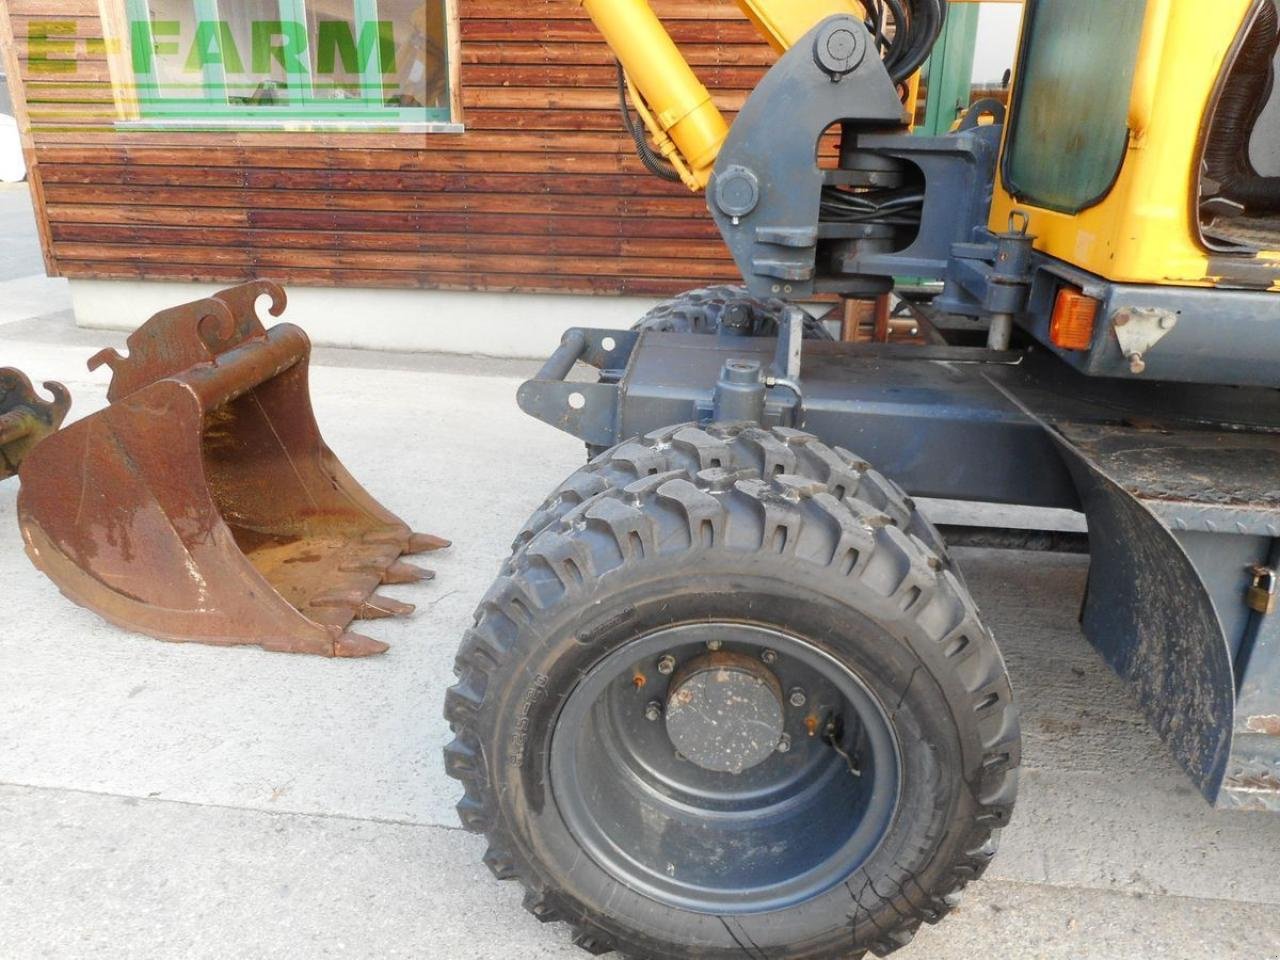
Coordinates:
<point>202,67</point>
<point>339,46</point>
<point>271,44</point>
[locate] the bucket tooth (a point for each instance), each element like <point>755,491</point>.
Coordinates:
<point>203,504</point>
<point>371,565</point>
<point>352,645</point>
<point>25,418</point>
<point>409,543</point>
<point>425,543</point>
<point>378,607</point>
<point>338,599</point>
<point>401,572</point>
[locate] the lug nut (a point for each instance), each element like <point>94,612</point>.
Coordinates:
<point>714,645</point>
<point>798,698</point>
<point>653,712</point>
<point>667,665</point>
<point>784,744</point>
<point>770,657</point>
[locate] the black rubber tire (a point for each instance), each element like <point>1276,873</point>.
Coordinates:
<point>703,310</point>
<point>829,550</point>
<point>731,447</point>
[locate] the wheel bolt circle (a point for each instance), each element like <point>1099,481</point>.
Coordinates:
<point>784,743</point>
<point>667,665</point>
<point>653,712</point>
<point>798,697</point>
<point>714,645</point>
<point>770,657</point>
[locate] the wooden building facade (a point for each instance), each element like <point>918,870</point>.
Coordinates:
<point>520,180</point>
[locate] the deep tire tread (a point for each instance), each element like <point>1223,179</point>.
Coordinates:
<point>701,310</point>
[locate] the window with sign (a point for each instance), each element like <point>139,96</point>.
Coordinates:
<point>357,60</point>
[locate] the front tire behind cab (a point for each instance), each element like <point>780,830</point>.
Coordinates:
<point>732,706</point>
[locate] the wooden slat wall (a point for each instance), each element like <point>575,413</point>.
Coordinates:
<point>542,193</point>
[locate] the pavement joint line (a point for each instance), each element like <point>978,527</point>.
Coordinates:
<point>1111,891</point>
<point>25,278</point>
<point>37,318</point>
<point>1135,895</point>
<point>107,794</point>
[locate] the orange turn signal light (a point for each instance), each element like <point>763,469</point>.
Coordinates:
<point>1074,315</point>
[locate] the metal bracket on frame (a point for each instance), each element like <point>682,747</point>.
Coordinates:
<point>586,410</point>
<point>1138,329</point>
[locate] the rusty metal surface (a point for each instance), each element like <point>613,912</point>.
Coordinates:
<point>1180,472</point>
<point>1253,779</point>
<point>203,504</point>
<point>724,712</point>
<point>25,418</point>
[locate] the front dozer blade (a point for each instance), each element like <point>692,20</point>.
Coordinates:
<point>25,419</point>
<point>202,505</point>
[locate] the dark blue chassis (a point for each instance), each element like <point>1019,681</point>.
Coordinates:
<point>1180,485</point>
<point>1165,431</point>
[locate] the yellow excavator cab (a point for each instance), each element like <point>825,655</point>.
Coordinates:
<point>1105,148</point>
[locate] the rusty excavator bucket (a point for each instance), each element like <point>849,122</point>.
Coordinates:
<point>203,505</point>
<point>25,419</point>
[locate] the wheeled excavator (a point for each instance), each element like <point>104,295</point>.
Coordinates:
<point>730,696</point>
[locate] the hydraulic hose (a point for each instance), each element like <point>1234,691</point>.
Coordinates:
<point>1247,92</point>
<point>917,26</point>
<point>652,162</point>
<point>925,26</point>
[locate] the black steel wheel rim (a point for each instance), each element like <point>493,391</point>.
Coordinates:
<point>698,837</point>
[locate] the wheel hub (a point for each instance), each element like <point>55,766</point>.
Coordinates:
<point>644,753</point>
<point>725,713</point>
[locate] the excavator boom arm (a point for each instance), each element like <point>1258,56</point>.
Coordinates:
<point>686,126</point>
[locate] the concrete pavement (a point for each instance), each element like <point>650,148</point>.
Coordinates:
<point>26,294</point>
<point>168,801</point>
<point>143,878</point>
<point>177,801</point>
<point>19,256</point>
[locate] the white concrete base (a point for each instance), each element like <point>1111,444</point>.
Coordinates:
<point>424,321</point>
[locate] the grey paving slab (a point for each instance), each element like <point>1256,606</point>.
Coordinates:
<point>93,876</point>
<point>19,246</point>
